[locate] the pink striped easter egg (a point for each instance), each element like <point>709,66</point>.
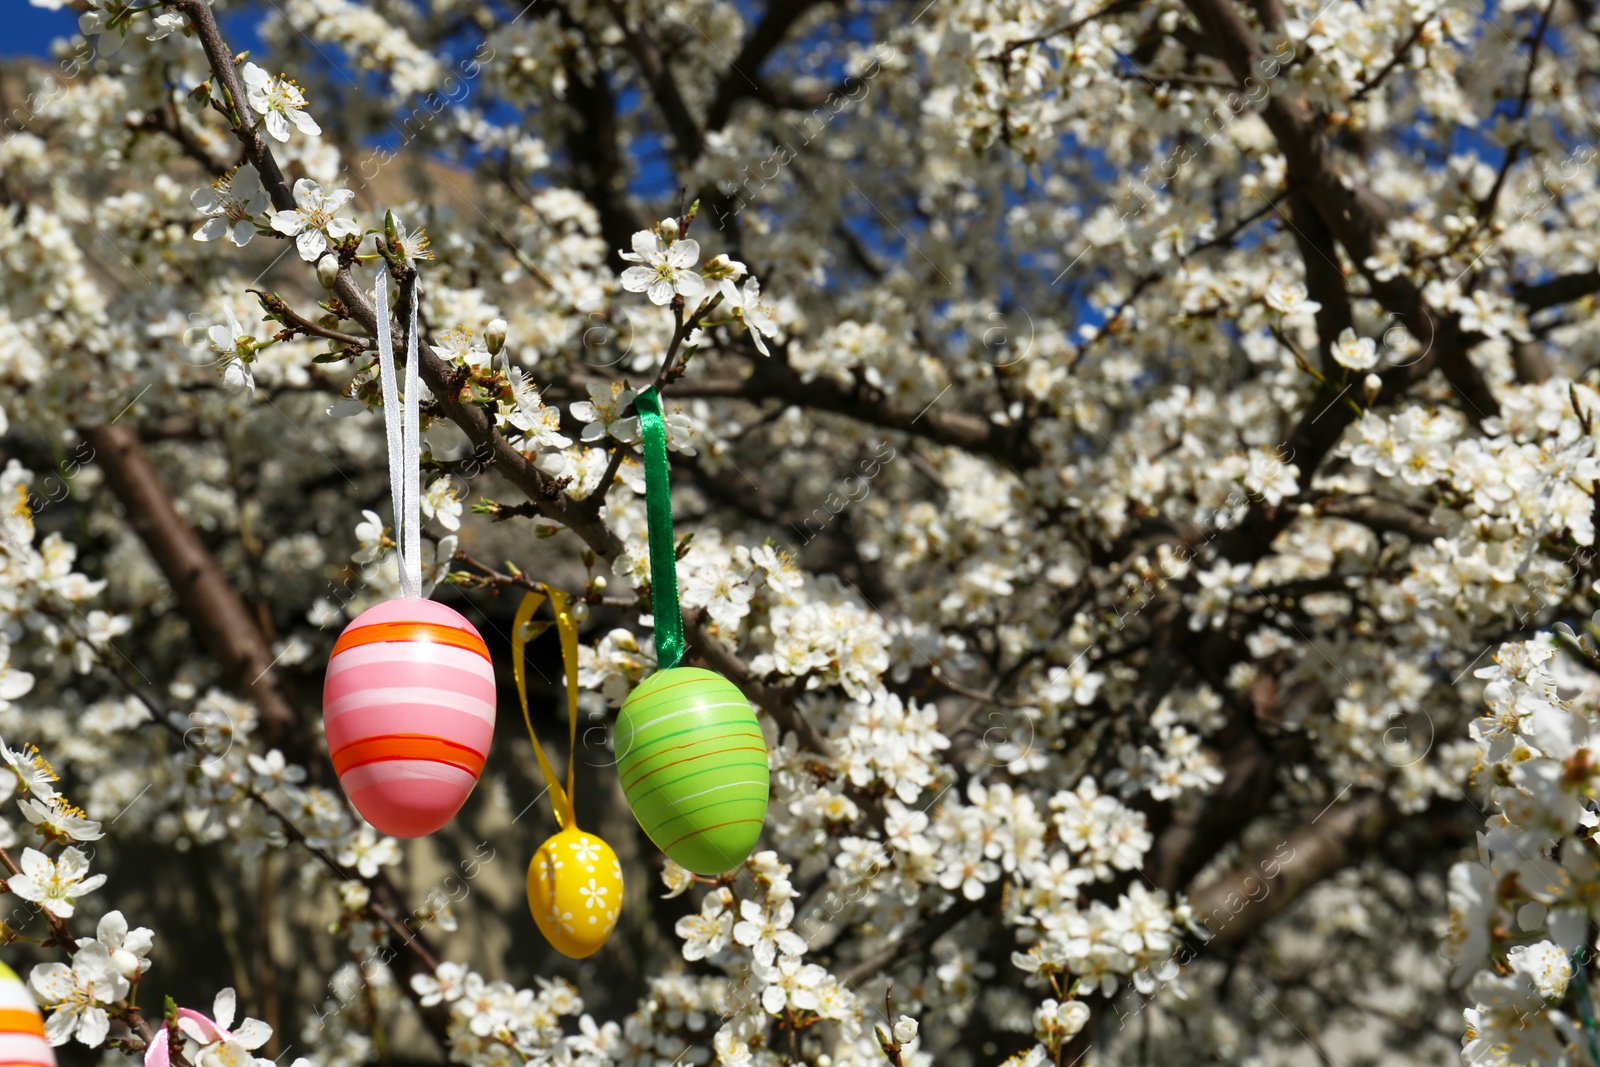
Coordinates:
<point>22,1039</point>
<point>408,707</point>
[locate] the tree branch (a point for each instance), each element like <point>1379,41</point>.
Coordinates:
<point>1562,289</point>
<point>1268,881</point>
<point>243,120</point>
<point>1357,218</point>
<point>1182,849</point>
<point>918,939</point>
<point>743,77</point>
<point>772,379</point>
<point>443,380</point>
<point>448,385</point>
<point>597,161</point>
<point>663,86</point>
<point>216,614</point>
<point>1381,516</point>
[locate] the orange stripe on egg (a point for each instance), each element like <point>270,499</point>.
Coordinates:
<point>695,756</point>
<point>707,830</point>
<point>427,632</point>
<point>21,1021</point>
<point>407,746</point>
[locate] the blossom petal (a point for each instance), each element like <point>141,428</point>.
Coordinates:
<point>252,1033</point>
<point>227,1002</point>
<point>645,244</point>
<point>94,1027</point>
<point>683,253</point>
<point>53,982</point>
<point>58,1029</point>
<point>311,244</point>
<point>213,228</point>
<point>111,929</point>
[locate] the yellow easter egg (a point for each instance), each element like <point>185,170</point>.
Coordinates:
<point>575,892</point>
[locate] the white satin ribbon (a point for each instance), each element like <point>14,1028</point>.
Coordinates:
<point>402,427</point>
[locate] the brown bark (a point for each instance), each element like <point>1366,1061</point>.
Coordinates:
<point>216,613</point>
<point>1269,880</point>
<point>937,421</point>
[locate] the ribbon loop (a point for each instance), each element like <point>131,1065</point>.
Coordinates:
<point>402,431</point>
<point>413,449</point>
<point>663,548</point>
<point>522,631</point>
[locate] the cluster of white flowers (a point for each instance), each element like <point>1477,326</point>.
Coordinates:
<point>94,989</point>
<point>753,941</point>
<point>1520,911</point>
<point>1029,483</point>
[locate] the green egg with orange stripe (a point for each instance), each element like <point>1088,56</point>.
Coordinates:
<point>693,763</point>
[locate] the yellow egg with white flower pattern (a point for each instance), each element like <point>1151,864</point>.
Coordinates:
<point>575,892</point>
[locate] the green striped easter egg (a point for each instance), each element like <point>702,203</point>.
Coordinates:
<point>694,767</point>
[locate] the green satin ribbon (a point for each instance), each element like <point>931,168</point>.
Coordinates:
<point>663,550</point>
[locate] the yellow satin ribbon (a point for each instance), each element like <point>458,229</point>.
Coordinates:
<point>523,630</point>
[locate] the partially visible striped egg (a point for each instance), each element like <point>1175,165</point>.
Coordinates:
<point>408,706</point>
<point>575,892</point>
<point>694,767</point>
<point>22,1040</point>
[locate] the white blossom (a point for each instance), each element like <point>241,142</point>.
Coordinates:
<point>76,995</point>
<point>666,268</point>
<point>279,102</point>
<point>315,221</point>
<point>230,205</point>
<point>55,885</point>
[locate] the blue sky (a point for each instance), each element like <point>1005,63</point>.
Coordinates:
<point>31,29</point>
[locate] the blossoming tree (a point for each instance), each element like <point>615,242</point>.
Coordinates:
<point>1138,457</point>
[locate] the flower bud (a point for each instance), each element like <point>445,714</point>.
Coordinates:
<point>494,336</point>
<point>125,963</point>
<point>199,99</point>
<point>327,270</point>
<point>356,896</point>
<point>669,229</point>
<point>721,266</point>
<point>1372,385</point>
<point>905,1029</point>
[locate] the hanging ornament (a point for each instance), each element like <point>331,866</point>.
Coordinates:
<point>690,752</point>
<point>574,879</point>
<point>408,703</point>
<point>22,1040</point>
